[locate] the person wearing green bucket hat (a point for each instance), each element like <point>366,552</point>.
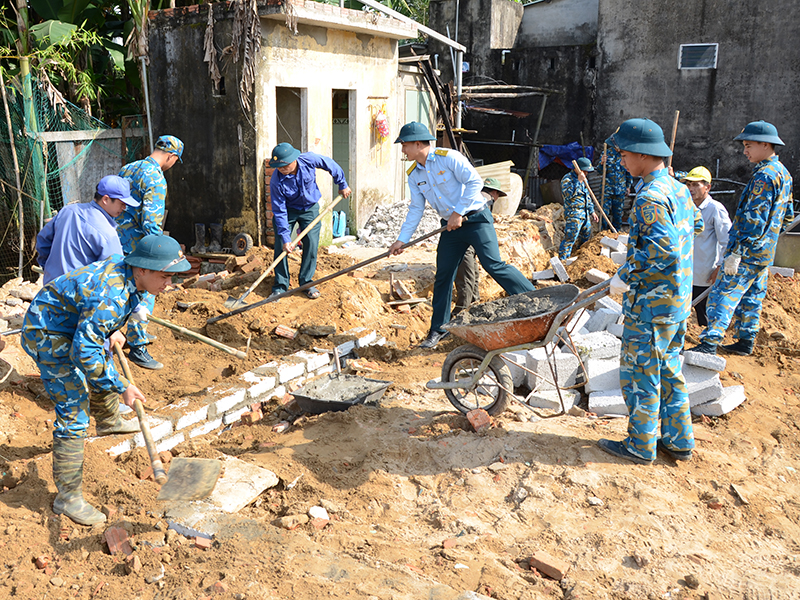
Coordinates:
<point>65,331</point>
<point>578,209</point>
<point>656,284</point>
<point>295,197</point>
<point>764,211</point>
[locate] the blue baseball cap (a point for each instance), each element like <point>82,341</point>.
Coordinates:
<point>760,131</point>
<point>642,136</point>
<point>584,164</point>
<point>116,187</point>
<point>283,155</point>
<point>171,144</point>
<point>158,253</point>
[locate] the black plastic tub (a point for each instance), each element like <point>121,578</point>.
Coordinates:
<point>333,393</point>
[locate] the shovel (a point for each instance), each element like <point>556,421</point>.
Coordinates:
<point>190,478</point>
<point>321,280</point>
<point>232,302</point>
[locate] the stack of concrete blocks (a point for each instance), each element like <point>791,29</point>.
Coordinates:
<point>539,378</point>
<point>177,423</point>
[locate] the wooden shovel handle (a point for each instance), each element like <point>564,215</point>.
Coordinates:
<point>591,193</point>
<point>159,473</point>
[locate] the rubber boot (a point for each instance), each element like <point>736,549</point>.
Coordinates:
<point>216,238</point>
<point>68,476</point>
<point>199,239</point>
<point>104,407</point>
<point>141,357</point>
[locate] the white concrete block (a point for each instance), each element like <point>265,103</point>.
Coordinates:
<point>783,271</point>
<point>381,341</point>
<point>159,428</point>
<point>566,366</point>
<point>540,275</point>
<point>225,404</point>
<point>731,398</point>
<point>609,303</point>
<point>549,399</point>
<point>602,375</point>
<point>623,238</point>
<point>605,251</point>
<point>558,269</point>
<point>366,340</point>
<point>514,360</point>
<point>703,385</point>
<point>609,402</point>
<point>270,368</point>
<point>279,392</point>
<point>206,427</point>
<point>619,258</point>
<point>598,345</point>
<point>579,320</point>
<point>192,418</point>
<point>712,362</point>
<point>601,319</point>
<point>312,360</point>
<point>329,368</point>
<point>261,389</point>
<point>235,415</point>
<point>289,371</point>
<point>346,348</point>
<point>121,448</point>
<point>568,261</point>
<point>170,442</point>
<point>596,276</point>
<point>615,329</point>
<point>615,245</point>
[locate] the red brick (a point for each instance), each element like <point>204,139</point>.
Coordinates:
<point>549,565</point>
<point>165,456</point>
<point>255,406</point>
<point>117,541</point>
<point>234,263</point>
<point>42,561</point>
<point>252,417</point>
<point>133,564</point>
<point>479,419</point>
<point>450,543</point>
<point>202,543</point>
<point>255,264</point>
<point>219,588</point>
<point>110,512</point>
<point>319,523</point>
<point>147,473</point>
<point>286,332</point>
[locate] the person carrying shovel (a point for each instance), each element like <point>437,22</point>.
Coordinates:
<point>578,209</point>
<point>656,281</point>
<point>295,198</point>
<point>64,331</point>
<point>445,179</point>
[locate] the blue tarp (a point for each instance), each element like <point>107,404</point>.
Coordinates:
<point>563,155</point>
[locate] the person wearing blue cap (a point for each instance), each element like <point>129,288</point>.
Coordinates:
<point>295,197</point>
<point>149,188</point>
<point>764,211</point>
<point>65,330</point>
<point>578,209</point>
<point>84,232</point>
<point>446,180</point>
<point>656,282</point>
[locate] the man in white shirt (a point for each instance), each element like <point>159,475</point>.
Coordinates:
<point>709,246</point>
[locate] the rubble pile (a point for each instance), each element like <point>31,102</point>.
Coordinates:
<point>15,298</point>
<point>383,227</point>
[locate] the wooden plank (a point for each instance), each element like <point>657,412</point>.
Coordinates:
<point>500,170</point>
<point>90,134</point>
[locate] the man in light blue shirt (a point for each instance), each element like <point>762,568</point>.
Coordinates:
<point>445,179</point>
<point>83,233</point>
<point>295,197</point>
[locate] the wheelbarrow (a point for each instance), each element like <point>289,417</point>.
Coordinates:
<point>475,375</point>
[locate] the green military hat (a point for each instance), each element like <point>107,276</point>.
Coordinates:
<point>760,131</point>
<point>493,183</point>
<point>283,155</point>
<point>584,164</point>
<point>642,136</point>
<point>414,132</point>
<point>158,253</point>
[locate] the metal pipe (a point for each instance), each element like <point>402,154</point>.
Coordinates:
<point>393,13</point>
<point>459,76</point>
<point>147,102</point>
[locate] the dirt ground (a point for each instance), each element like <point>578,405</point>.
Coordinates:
<point>414,494</point>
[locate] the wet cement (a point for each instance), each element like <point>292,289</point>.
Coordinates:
<point>341,388</point>
<point>520,306</point>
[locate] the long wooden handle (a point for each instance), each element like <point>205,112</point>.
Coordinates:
<point>199,337</point>
<point>674,133</point>
<point>159,473</point>
<point>591,193</point>
<point>605,166</point>
<point>283,254</point>
<point>276,297</point>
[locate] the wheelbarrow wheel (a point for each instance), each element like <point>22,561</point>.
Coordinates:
<point>488,393</point>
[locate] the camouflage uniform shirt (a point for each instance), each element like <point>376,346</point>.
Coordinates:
<point>149,187</point>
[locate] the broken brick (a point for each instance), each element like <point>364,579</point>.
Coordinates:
<point>110,512</point>
<point>449,543</point>
<point>190,281</point>
<point>133,564</point>
<point>255,406</point>
<point>165,456</point>
<point>117,541</point>
<point>403,308</point>
<point>285,332</point>
<point>319,523</point>
<point>146,474</point>
<point>219,588</point>
<point>235,263</point>
<point>202,543</point>
<point>253,265</point>
<point>252,417</point>
<point>479,419</point>
<point>42,561</point>
<point>401,290</point>
<point>549,565</point>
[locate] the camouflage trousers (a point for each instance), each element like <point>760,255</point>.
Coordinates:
<point>653,387</point>
<point>736,298</point>
<point>613,205</point>
<point>137,331</point>
<point>576,233</point>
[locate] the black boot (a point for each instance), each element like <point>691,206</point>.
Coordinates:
<point>199,239</point>
<point>704,348</point>
<point>216,238</point>
<point>740,347</point>
<point>68,476</point>
<point>140,356</point>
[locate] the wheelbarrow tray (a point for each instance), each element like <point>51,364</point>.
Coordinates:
<point>503,323</point>
<point>338,392</point>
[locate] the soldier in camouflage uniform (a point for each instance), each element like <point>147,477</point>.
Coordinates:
<point>764,212</point>
<point>578,210</point>
<point>149,187</point>
<point>64,330</point>
<point>656,281</point>
<point>618,182</point>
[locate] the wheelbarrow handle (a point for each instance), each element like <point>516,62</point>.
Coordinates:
<point>582,300</point>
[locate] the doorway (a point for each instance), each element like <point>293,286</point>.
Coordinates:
<point>341,111</point>
<point>289,116</point>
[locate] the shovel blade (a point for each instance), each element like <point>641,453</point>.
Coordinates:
<point>190,479</point>
<point>232,303</point>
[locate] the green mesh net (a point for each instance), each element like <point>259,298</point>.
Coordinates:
<point>61,154</point>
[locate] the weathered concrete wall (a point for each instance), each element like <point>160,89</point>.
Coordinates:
<point>758,75</point>
<point>559,23</point>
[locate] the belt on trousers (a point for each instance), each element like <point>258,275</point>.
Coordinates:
<point>468,215</point>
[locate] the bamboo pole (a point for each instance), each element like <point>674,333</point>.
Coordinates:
<point>16,173</point>
<point>199,337</point>
<point>578,172</point>
<point>674,133</point>
<point>603,184</point>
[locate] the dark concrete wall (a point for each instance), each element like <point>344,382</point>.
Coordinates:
<point>758,74</point>
<point>211,186</point>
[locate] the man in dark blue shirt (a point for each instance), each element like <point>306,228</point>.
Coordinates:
<point>295,198</point>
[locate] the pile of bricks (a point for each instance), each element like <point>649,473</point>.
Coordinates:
<point>239,270</point>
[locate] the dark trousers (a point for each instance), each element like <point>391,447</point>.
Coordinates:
<point>467,279</point>
<point>702,320</point>
<point>308,264</point>
<point>478,232</point>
